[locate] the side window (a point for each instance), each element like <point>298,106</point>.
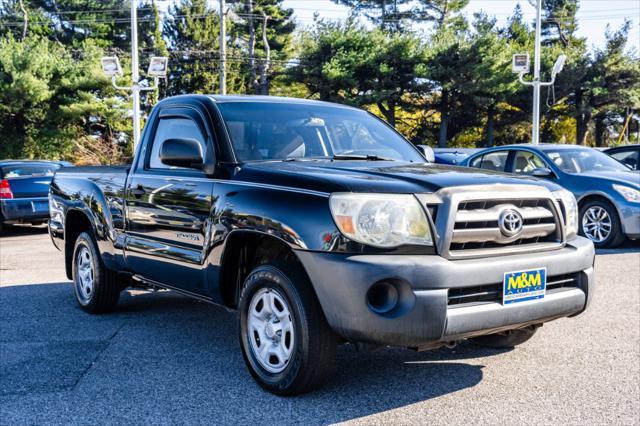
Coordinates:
<point>525,163</point>
<point>169,128</point>
<point>628,157</point>
<point>495,161</point>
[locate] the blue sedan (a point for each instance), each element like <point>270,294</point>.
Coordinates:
<point>24,190</point>
<point>607,191</point>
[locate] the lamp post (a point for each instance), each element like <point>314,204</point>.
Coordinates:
<point>223,50</point>
<point>520,65</point>
<point>157,68</point>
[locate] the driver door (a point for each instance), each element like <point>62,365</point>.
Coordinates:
<point>168,207</point>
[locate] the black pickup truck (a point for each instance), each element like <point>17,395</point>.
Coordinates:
<point>320,225</point>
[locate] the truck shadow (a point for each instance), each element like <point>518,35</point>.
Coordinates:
<point>185,356</point>
<point>22,230</point>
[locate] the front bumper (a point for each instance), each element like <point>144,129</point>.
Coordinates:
<point>630,219</point>
<point>24,209</point>
<point>342,281</point>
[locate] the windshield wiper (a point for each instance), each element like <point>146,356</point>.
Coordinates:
<point>359,157</point>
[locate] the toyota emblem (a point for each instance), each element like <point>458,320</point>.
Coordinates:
<point>510,222</point>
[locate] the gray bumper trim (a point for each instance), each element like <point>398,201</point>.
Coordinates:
<point>342,281</point>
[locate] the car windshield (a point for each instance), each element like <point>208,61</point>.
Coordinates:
<point>288,131</point>
<point>24,170</point>
<point>581,160</point>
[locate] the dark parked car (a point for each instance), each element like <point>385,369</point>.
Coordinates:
<point>453,156</point>
<point>627,154</point>
<point>321,225</point>
<point>24,188</point>
<point>608,192</point>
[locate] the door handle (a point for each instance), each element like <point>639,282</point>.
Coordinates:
<point>138,191</point>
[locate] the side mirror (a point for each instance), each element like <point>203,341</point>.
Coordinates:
<point>427,152</point>
<point>182,153</point>
<point>542,172</point>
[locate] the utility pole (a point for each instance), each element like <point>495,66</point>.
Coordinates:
<point>223,50</point>
<point>135,76</point>
<point>535,132</point>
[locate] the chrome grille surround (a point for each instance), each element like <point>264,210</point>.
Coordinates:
<point>469,215</point>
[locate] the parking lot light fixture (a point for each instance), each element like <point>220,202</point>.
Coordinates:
<point>158,66</point>
<point>111,66</point>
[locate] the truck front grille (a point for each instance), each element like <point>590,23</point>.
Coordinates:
<point>477,227</point>
<point>479,221</point>
<point>492,293</point>
<point>477,224</point>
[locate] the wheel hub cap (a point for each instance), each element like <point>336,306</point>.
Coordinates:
<point>270,330</point>
<point>596,224</point>
<point>84,274</point>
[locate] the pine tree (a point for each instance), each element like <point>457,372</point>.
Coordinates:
<point>268,29</point>
<point>49,107</point>
<point>367,68</point>
<point>386,14</point>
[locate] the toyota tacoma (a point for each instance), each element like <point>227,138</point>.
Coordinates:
<point>320,225</point>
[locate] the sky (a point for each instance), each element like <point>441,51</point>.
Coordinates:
<point>593,15</point>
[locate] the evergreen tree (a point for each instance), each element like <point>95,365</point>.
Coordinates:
<point>560,23</point>
<point>350,64</point>
<point>443,13</point>
<point>492,84</point>
<point>603,85</point>
<point>49,107</point>
<point>386,14</point>
<point>268,29</point>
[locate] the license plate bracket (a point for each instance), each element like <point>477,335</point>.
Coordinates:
<point>520,286</point>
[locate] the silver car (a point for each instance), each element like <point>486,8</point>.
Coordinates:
<point>608,192</point>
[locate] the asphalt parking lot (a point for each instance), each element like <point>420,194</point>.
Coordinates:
<point>162,358</point>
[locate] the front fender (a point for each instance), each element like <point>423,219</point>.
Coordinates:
<point>300,219</point>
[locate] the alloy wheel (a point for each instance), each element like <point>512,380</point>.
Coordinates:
<point>597,224</point>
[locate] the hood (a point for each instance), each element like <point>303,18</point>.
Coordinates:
<point>629,178</point>
<point>374,176</point>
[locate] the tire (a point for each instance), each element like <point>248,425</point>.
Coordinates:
<point>306,346</point>
<point>506,339</point>
<point>598,217</point>
<point>97,288</point>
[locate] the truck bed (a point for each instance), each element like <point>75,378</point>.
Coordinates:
<point>98,170</point>
<point>105,184</point>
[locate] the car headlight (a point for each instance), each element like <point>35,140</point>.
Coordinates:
<point>571,211</point>
<point>629,194</point>
<point>381,220</point>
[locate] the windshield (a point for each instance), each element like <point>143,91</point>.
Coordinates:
<point>23,170</point>
<point>581,160</point>
<point>283,131</point>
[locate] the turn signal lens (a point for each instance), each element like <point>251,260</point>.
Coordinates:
<point>5,189</point>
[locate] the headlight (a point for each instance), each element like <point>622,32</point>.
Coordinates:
<point>629,194</point>
<point>571,210</point>
<point>381,220</point>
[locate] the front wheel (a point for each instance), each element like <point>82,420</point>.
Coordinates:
<point>600,223</point>
<point>285,339</point>
<point>97,288</point>
<point>506,339</point>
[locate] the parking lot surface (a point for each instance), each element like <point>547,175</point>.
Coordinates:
<point>162,358</point>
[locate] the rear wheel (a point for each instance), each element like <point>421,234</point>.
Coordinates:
<point>506,339</point>
<point>600,223</point>
<point>97,288</point>
<point>285,339</point>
